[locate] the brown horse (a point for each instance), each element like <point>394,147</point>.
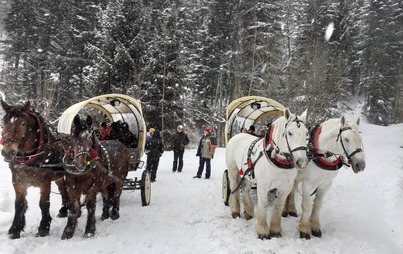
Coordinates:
<point>30,148</point>
<point>93,166</point>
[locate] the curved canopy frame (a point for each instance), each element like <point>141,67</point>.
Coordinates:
<point>249,110</point>
<point>116,107</point>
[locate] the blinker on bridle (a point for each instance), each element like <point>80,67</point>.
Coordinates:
<point>304,148</point>
<point>342,144</point>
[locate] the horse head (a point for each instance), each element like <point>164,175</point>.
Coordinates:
<point>291,138</point>
<point>82,145</point>
<point>19,134</point>
<point>351,144</point>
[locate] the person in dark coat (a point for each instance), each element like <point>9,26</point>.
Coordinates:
<point>205,151</point>
<point>179,140</point>
<point>128,138</point>
<point>155,149</point>
<point>116,131</point>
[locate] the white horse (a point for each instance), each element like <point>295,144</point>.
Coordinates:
<point>273,161</point>
<point>333,143</point>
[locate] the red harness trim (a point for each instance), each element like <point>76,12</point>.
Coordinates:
<point>316,150</point>
<point>40,146</point>
<point>275,159</point>
<point>93,154</point>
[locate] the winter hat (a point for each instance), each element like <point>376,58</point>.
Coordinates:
<point>151,131</point>
<point>252,128</point>
<point>207,129</point>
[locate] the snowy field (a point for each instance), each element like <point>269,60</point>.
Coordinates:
<point>363,213</point>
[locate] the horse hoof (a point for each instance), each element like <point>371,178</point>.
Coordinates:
<point>284,214</point>
<point>303,235</point>
<point>67,234</point>
<point>275,234</point>
<point>293,214</point>
<point>42,233</point>
<point>317,233</point>
<point>247,216</point>
<point>115,216</point>
<point>14,235</point>
<point>104,216</point>
<point>62,212</point>
<point>89,235</point>
<point>235,215</point>
<point>263,236</point>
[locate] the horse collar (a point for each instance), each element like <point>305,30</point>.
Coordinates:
<point>287,163</point>
<point>319,157</point>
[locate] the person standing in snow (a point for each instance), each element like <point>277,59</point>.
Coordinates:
<point>148,138</point>
<point>179,140</point>
<point>155,149</point>
<point>205,151</point>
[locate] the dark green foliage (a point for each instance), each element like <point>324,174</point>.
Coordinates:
<point>186,60</point>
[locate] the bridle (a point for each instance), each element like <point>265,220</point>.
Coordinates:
<point>289,155</point>
<point>26,157</point>
<point>69,160</point>
<point>358,150</point>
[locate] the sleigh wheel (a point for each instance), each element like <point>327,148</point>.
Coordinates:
<point>226,191</point>
<point>145,188</point>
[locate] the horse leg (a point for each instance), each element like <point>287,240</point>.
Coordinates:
<point>106,204</point>
<point>116,202</point>
<point>289,207</point>
<point>248,203</point>
<point>275,221</point>
<point>234,179</point>
<point>306,205</point>
<point>91,206</point>
<point>317,205</point>
<point>21,207</point>
<point>62,190</point>
<point>44,204</point>
<point>74,211</point>
<point>262,228</point>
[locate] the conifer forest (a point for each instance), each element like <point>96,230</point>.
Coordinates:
<point>186,60</point>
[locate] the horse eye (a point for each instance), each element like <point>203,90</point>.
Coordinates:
<point>23,124</point>
<point>289,134</point>
<point>347,140</point>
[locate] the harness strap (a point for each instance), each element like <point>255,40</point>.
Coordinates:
<point>317,157</point>
<point>248,171</point>
<point>286,164</point>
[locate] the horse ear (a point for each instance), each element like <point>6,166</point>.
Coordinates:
<point>25,108</point>
<point>287,114</point>
<point>76,120</point>
<point>89,121</point>
<point>343,121</point>
<point>5,106</point>
<point>303,116</point>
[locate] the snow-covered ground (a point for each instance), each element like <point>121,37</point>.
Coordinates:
<point>363,213</point>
